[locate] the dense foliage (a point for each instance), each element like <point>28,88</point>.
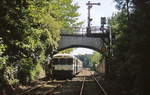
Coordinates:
<point>29,32</point>
<point>96,58</point>
<point>131,48</point>
<point>91,60</point>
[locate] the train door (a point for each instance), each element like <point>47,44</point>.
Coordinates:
<point>76,66</point>
<point>74,62</point>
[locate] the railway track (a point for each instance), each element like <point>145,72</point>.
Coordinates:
<point>44,90</point>
<point>80,85</point>
<point>100,88</point>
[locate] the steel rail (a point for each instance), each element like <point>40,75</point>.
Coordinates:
<point>82,88</point>
<point>49,91</point>
<point>58,86</point>
<point>100,86</point>
<point>27,91</point>
<point>52,90</point>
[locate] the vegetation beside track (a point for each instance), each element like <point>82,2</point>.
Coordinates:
<point>128,68</point>
<point>29,34</point>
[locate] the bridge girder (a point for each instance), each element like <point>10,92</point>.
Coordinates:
<point>92,42</point>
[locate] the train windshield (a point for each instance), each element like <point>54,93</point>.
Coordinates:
<point>63,61</point>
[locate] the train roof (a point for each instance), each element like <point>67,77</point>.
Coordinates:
<point>57,56</point>
<point>63,56</point>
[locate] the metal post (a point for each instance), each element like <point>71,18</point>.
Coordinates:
<point>89,18</point>
<point>110,42</point>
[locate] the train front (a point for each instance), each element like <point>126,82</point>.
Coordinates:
<point>63,66</point>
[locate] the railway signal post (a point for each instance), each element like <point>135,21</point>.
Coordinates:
<point>90,5</point>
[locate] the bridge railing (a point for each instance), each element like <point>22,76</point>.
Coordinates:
<point>83,30</point>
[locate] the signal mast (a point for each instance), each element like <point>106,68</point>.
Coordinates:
<point>90,5</point>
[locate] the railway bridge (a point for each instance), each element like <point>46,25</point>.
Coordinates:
<point>96,40</point>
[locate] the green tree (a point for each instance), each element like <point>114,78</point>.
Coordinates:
<point>30,31</point>
<point>131,48</point>
<point>66,12</point>
<point>96,57</point>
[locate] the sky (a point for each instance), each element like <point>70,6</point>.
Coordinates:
<point>106,9</point>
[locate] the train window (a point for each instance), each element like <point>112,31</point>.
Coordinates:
<point>62,61</point>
